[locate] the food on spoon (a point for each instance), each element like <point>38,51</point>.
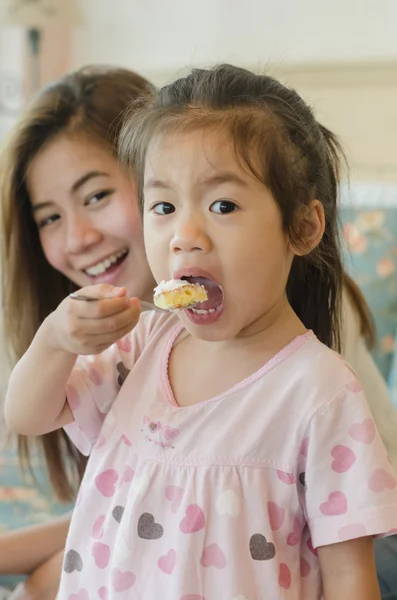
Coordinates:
<point>178,293</point>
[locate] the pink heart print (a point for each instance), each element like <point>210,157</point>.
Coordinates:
<point>276,515</point>
<point>125,344</point>
<point>73,397</point>
<point>170,433</point>
<point>97,530</point>
<point>174,494</point>
<point>309,544</point>
<point>381,480</point>
<point>103,593</point>
<point>295,536</point>
<point>126,441</point>
<point>336,505</point>
<point>288,478</point>
<point>96,375</point>
<point>344,459</point>
<point>127,476</point>
<point>122,580</point>
<point>194,520</point>
<point>363,432</point>
<point>304,446</point>
<point>284,577</point>
<point>304,568</point>
<point>81,595</point>
<point>101,554</point>
<point>106,482</point>
<point>213,556</point>
<point>167,562</point>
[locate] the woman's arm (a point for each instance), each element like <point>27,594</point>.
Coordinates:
<point>24,550</point>
<point>348,570</point>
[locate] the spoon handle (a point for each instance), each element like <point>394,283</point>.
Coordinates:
<point>144,305</point>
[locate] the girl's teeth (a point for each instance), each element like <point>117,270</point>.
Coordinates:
<point>104,265</point>
<point>200,311</point>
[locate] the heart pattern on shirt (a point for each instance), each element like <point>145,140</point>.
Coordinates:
<point>167,562</point>
<point>101,554</point>
<point>194,520</point>
<point>363,432</point>
<point>117,513</point>
<point>148,529</point>
<point>106,482</point>
<point>213,556</point>
<point>73,562</point>
<point>122,580</point>
<point>336,504</point>
<point>81,595</point>
<point>260,548</point>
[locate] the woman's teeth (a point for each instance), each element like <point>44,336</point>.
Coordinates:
<point>104,265</point>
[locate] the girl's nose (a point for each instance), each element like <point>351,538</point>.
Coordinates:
<point>190,236</point>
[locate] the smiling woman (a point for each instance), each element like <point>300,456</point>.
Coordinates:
<point>69,219</point>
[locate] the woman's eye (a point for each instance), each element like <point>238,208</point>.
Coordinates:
<point>95,198</point>
<point>47,221</point>
<point>163,208</point>
<point>223,207</point>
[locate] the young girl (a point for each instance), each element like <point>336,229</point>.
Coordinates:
<point>61,156</point>
<point>233,454</point>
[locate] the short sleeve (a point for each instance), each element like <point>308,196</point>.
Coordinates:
<point>350,488</point>
<point>96,380</point>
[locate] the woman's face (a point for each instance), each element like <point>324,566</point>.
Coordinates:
<point>86,212</point>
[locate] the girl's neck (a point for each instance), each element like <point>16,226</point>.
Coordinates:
<point>274,329</point>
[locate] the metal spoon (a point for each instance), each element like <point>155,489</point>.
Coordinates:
<point>144,305</point>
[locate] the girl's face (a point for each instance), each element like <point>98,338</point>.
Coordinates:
<point>205,215</point>
<point>87,216</point>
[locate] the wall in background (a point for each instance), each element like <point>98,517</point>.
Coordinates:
<point>152,35</point>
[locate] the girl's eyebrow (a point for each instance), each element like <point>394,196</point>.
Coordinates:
<point>207,182</point>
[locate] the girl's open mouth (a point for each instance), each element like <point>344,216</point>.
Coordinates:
<point>209,311</point>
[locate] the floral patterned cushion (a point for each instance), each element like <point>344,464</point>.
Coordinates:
<point>24,501</point>
<point>369,224</point>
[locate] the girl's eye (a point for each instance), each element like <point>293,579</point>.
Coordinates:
<point>47,221</point>
<point>223,207</point>
<point>163,208</point>
<point>95,198</point>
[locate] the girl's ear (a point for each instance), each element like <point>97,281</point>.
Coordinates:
<point>310,229</point>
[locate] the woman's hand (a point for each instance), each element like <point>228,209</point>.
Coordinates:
<point>89,327</point>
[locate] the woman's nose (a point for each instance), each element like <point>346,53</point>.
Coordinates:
<point>80,235</point>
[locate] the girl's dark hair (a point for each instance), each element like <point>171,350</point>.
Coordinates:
<point>277,137</point>
<point>88,103</point>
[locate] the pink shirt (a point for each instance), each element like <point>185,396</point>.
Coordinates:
<point>226,499</point>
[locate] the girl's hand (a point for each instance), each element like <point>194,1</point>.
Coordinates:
<point>84,327</point>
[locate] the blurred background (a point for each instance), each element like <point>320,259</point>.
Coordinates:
<point>341,56</point>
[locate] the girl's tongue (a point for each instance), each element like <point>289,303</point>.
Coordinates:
<point>214,292</point>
